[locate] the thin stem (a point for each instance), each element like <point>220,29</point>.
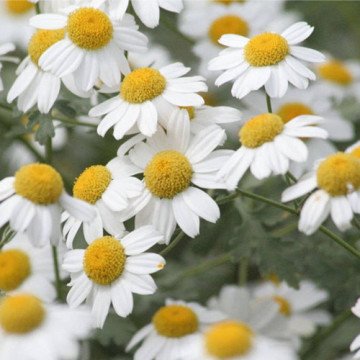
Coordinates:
<point>325,333</point>
<point>66,120</point>
<point>56,272</point>
<point>243,271</point>
<point>37,8</point>
<point>268,103</point>
<point>48,150</point>
<point>173,243</point>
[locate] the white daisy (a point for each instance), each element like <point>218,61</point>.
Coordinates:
<point>171,164</point>
<point>337,178</point>
<point>109,188</point>
<point>55,330</point>
<point>148,11</point>
<point>32,202</point>
<point>93,47</point>
<point>25,268</point>
<point>4,49</point>
<point>267,59</point>
<point>297,306</point>
<point>268,145</point>
<point>110,270</point>
<point>147,95</point>
<point>355,345</point>
<point>253,330</point>
<point>310,102</point>
<point>174,333</point>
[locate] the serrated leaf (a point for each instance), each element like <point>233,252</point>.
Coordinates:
<point>45,131</point>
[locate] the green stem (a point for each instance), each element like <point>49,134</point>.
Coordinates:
<point>243,271</point>
<point>173,243</point>
<point>56,272</point>
<point>48,150</point>
<point>325,333</point>
<point>37,8</point>
<point>66,120</point>
<point>268,103</point>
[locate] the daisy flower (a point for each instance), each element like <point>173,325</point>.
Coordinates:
<point>110,270</point>
<point>339,79</point>
<point>26,320</point>
<point>25,268</point>
<point>109,188</point>
<point>268,145</point>
<point>147,94</point>
<point>4,49</point>
<point>337,180</point>
<point>297,306</point>
<point>268,59</point>
<point>174,332</point>
<point>93,46</point>
<point>355,345</point>
<point>172,164</point>
<point>248,331</point>
<point>148,11</point>
<point>311,102</point>
<point>32,202</point>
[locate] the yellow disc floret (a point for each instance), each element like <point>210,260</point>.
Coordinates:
<point>356,152</point>
<point>284,305</point>
<point>14,269</point>
<point>228,339</point>
<point>41,41</point>
<point>266,49</point>
<point>18,7</point>
<point>339,174</point>
<point>142,85</point>
<point>260,129</point>
<point>168,174</point>
<point>289,111</point>
<point>104,260</point>
<point>175,321</point>
<point>190,110</point>
<point>92,183</point>
<point>335,71</point>
<point>39,183</point>
<point>21,314</point>
<point>89,28</point>
<point>227,24</point>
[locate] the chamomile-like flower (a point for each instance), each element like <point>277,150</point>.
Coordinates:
<point>355,345</point>
<point>111,269</point>
<point>26,320</point>
<point>171,163</point>
<point>109,188</point>
<point>146,95</point>
<point>4,50</point>
<point>297,306</point>
<point>93,46</point>
<point>268,59</point>
<point>268,145</point>
<point>148,11</point>
<point>174,332</point>
<point>252,329</point>
<point>32,202</point>
<point>25,268</point>
<point>337,180</point>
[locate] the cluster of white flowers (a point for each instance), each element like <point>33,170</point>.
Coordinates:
<point>170,163</point>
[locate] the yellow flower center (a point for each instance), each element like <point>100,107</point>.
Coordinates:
<point>104,260</point>
<point>228,339</point>
<point>41,41</point>
<point>291,110</point>
<point>142,85</point>
<point>39,183</point>
<point>190,110</point>
<point>284,305</point>
<point>227,24</point>
<point>260,129</point>
<point>18,7</point>
<point>335,71</point>
<point>20,314</point>
<point>356,152</point>
<point>89,28</point>
<point>175,321</point>
<point>92,183</point>
<point>266,49</point>
<point>168,174</point>
<point>339,174</point>
<point>272,277</point>
<point>14,269</point>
